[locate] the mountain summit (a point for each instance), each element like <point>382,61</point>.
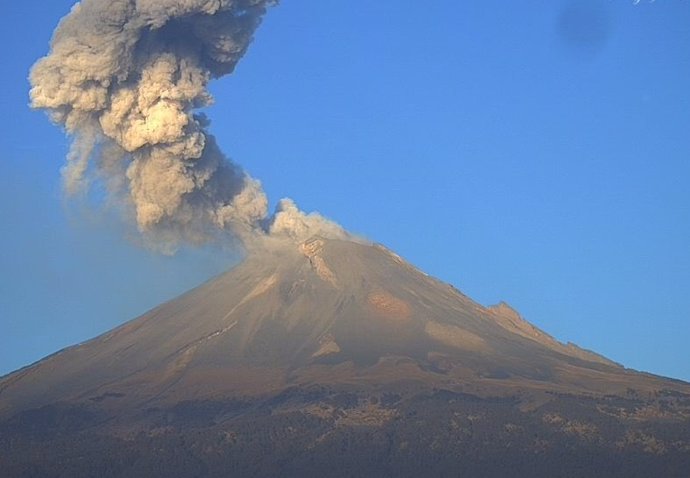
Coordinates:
<point>336,340</point>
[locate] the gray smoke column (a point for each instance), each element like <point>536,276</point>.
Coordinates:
<point>124,78</point>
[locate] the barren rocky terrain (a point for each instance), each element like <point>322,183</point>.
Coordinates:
<point>337,358</point>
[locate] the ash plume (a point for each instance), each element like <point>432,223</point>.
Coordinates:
<point>288,221</point>
<point>124,79</point>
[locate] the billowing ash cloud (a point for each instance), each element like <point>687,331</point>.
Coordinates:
<point>124,78</point>
<point>292,223</point>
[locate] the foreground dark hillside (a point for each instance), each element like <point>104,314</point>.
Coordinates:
<point>330,433</point>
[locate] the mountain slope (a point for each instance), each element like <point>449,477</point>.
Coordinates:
<point>335,338</point>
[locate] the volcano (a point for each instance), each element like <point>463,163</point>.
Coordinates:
<point>337,358</point>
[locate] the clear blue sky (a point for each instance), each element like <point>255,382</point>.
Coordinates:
<point>533,152</point>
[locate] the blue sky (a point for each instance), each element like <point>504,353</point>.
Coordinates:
<point>537,153</point>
